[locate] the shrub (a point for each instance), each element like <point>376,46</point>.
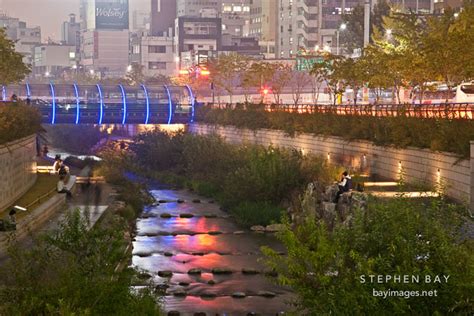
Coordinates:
<point>400,131</point>
<point>18,121</point>
<point>257,213</point>
<point>76,139</point>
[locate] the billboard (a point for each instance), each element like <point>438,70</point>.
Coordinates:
<point>111,14</point>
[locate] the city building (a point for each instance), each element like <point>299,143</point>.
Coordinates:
<point>140,20</point>
<point>440,5</point>
<point>71,32</point>
<point>25,38</point>
<point>163,15</point>
<point>248,46</point>
<point>50,60</point>
<point>264,25</point>
<point>193,8</point>
<point>105,37</point>
<point>196,40</point>
<point>155,53</point>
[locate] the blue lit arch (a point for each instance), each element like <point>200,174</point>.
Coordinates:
<point>147,114</point>
<point>53,104</point>
<point>76,91</point>
<point>170,105</point>
<point>101,106</point>
<point>124,102</point>
<point>191,95</point>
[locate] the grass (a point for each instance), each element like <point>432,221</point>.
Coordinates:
<point>44,184</point>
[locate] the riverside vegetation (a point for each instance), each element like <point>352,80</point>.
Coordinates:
<point>17,121</point>
<point>401,131</point>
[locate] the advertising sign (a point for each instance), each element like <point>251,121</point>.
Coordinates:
<point>111,14</point>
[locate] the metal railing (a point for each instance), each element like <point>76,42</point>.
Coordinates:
<point>439,110</point>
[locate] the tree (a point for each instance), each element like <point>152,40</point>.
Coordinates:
<point>328,267</point>
<point>227,71</point>
<point>12,68</point>
<point>281,76</point>
<point>135,75</point>
<point>299,80</point>
<point>258,75</point>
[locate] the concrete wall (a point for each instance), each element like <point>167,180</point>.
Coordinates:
<point>417,165</point>
<point>17,169</point>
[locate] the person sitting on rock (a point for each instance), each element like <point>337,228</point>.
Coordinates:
<point>62,187</point>
<point>344,186</point>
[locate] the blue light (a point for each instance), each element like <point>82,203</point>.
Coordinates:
<point>76,91</point>
<point>101,109</point>
<point>124,102</point>
<point>53,113</point>
<point>28,91</point>
<point>147,104</point>
<point>170,104</point>
<point>4,93</point>
<point>192,102</point>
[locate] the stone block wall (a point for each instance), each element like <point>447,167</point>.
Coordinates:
<point>17,169</point>
<point>416,165</point>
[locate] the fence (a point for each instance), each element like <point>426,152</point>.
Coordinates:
<point>437,111</point>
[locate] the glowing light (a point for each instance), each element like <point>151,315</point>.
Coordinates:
<point>205,72</point>
<point>129,68</point>
<point>101,104</point>
<point>389,32</point>
<point>265,91</point>
<point>327,48</point>
<point>46,74</point>
<point>53,109</point>
<point>76,91</point>
<point>191,95</point>
<point>329,156</point>
<point>343,26</point>
<point>183,72</point>
<point>170,105</point>
<point>124,102</point>
<point>28,91</point>
<point>91,71</point>
<point>147,104</point>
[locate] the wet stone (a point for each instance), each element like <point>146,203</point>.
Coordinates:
<point>238,295</point>
<point>161,288</point>
<point>266,294</point>
<point>257,228</point>
<point>210,216</point>
<point>249,271</point>
<point>211,282</point>
<point>239,232</point>
<point>143,254</point>
<point>194,271</point>
<point>184,283</point>
<point>168,254</point>
<point>180,201</point>
<point>186,215</point>
<point>165,215</point>
<point>221,271</point>
<point>198,253</point>
<point>162,201</point>
<point>163,233</point>
<point>165,274</point>
<point>196,201</point>
<point>214,232</point>
<point>208,295</point>
<point>180,292</point>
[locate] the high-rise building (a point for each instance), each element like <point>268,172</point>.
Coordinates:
<point>26,38</point>
<point>71,32</point>
<point>105,36</point>
<point>140,20</point>
<point>264,25</point>
<point>51,59</point>
<point>193,8</point>
<point>163,14</point>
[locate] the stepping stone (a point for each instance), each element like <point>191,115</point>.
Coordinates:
<point>161,288</point>
<point>196,201</point>
<point>143,254</point>
<point>194,271</point>
<point>210,215</point>
<point>208,295</point>
<point>165,274</point>
<point>224,253</point>
<point>148,215</point>
<point>266,294</point>
<point>257,228</point>
<point>180,293</point>
<point>214,232</point>
<point>164,233</point>
<point>144,275</point>
<point>238,295</point>
<point>165,215</point>
<point>239,232</point>
<point>211,282</point>
<point>168,254</point>
<point>221,271</point>
<point>249,271</point>
<point>184,283</point>
<point>186,215</point>
<point>198,253</point>
<point>180,201</point>
<point>162,201</point>
<point>173,313</point>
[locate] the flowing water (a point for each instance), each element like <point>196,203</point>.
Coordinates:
<point>177,237</point>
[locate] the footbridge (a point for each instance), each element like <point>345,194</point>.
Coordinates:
<point>106,104</point>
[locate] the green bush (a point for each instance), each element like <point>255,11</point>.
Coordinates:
<point>400,131</point>
<point>76,139</point>
<point>396,237</point>
<point>18,121</point>
<point>257,213</point>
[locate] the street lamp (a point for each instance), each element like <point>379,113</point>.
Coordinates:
<point>327,48</point>
<point>341,28</point>
<point>388,32</point>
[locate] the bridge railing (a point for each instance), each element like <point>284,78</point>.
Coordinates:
<point>438,111</point>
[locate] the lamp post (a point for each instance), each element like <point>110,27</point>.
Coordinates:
<point>341,28</point>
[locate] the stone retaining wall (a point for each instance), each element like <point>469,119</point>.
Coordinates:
<point>17,169</point>
<point>417,165</point>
